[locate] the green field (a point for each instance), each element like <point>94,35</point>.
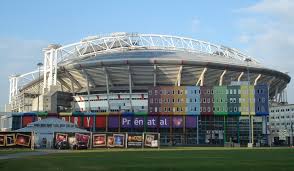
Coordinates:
<point>215,159</point>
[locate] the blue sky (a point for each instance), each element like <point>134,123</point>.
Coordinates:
<point>262,29</point>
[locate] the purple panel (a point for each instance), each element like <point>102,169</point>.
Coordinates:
<point>177,122</point>
<point>152,122</point>
<point>138,122</point>
<point>191,122</point>
<point>164,122</point>
<point>126,122</point>
<point>113,121</point>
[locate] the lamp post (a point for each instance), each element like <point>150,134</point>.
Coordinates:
<point>39,68</point>
<point>251,138</point>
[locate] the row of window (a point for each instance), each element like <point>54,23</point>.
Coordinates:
<point>282,110</point>
<point>282,117</point>
<point>203,109</point>
<point>283,123</point>
<point>204,100</point>
<point>207,91</point>
<point>85,100</point>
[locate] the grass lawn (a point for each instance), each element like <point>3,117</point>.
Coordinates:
<point>206,159</point>
<point>12,151</point>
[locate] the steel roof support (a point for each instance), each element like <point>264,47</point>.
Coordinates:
<point>257,78</point>
<point>221,78</point>
<point>201,78</point>
<point>108,78</point>
<point>88,94</point>
<point>179,76</point>
<point>107,88</point>
<point>130,88</point>
<point>86,75</point>
<point>72,79</point>
<point>63,83</point>
<point>154,75</point>
<point>240,76</point>
<point>50,68</point>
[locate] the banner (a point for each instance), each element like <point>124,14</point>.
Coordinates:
<point>191,122</point>
<point>152,121</point>
<point>177,122</point>
<point>108,140</point>
<point>135,140</point>
<point>113,121</point>
<point>15,139</point>
<point>164,122</point>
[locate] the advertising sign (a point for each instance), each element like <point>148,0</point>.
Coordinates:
<point>135,140</point>
<point>15,140</point>
<point>99,140</point>
<point>72,140</point>
<point>151,140</point>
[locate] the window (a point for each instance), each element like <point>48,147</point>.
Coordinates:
<point>208,109</point>
<point>151,100</point>
<point>208,91</point>
<point>208,100</point>
<point>155,92</point>
<point>165,109</point>
<point>212,92</point>
<point>204,100</point>
<point>150,92</point>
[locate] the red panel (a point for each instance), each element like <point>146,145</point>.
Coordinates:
<point>100,122</point>
<point>26,120</point>
<point>77,120</point>
<point>88,121</point>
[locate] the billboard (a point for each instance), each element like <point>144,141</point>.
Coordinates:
<point>108,140</point>
<point>135,140</point>
<point>71,140</point>
<point>15,139</point>
<point>151,140</point>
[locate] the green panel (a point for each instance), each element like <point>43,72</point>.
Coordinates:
<point>220,100</point>
<point>42,113</point>
<point>141,113</point>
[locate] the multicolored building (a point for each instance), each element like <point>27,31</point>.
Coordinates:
<point>184,115</point>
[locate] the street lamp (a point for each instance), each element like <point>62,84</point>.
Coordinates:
<point>39,68</point>
<point>251,138</point>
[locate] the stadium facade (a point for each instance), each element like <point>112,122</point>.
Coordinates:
<point>192,92</point>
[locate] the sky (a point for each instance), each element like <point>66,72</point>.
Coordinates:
<point>262,29</point>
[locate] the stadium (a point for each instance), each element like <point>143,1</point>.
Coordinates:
<point>192,92</point>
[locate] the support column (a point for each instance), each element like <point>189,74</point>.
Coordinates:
<point>221,78</point>
<point>197,133</point>
<point>88,95</point>
<point>154,75</point>
<point>130,89</point>
<point>201,78</point>
<point>225,130</point>
<point>240,76</point>
<point>107,88</point>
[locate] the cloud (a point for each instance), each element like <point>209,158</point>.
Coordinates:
<point>17,56</point>
<point>266,30</point>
